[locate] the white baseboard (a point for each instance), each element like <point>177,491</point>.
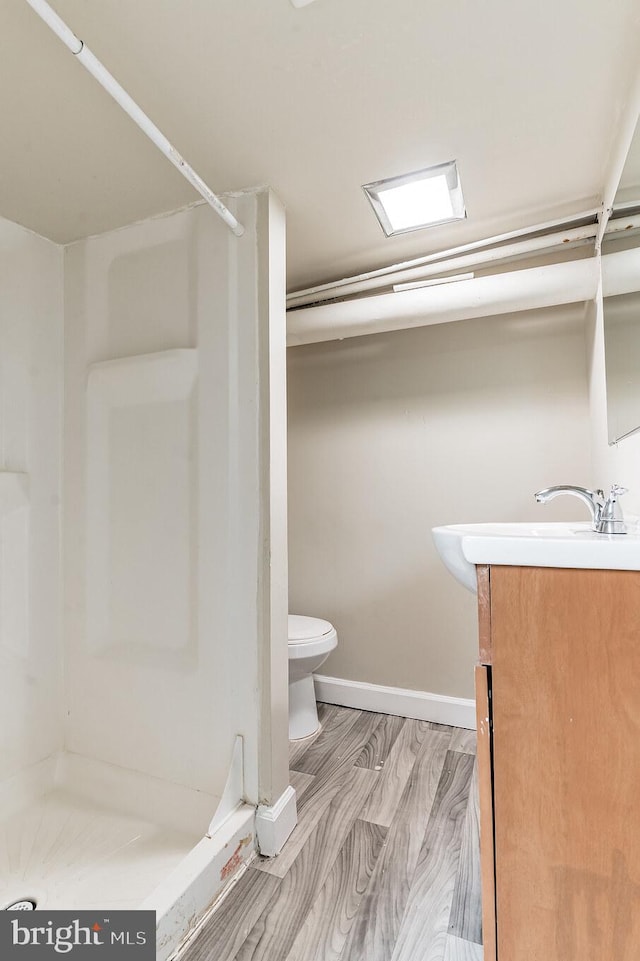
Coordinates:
<point>456,711</point>
<point>274,824</point>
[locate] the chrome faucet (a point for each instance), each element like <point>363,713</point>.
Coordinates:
<point>606,514</point>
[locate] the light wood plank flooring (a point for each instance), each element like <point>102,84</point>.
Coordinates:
<point>384,862</point>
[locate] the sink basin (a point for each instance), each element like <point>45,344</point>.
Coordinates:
<point>462,546</point>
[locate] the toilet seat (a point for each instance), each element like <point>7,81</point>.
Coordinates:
<point>309,636</point>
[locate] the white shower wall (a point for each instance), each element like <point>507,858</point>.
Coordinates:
<point>31,312</point>
<point>163,514</point>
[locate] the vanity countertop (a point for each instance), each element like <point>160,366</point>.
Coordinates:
<point>575,545</point>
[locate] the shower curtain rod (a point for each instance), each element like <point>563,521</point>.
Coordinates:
<point>120,95</point>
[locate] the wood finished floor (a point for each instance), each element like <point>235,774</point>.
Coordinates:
<point>384,862</point>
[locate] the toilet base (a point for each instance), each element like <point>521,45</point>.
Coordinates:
<point>303,712</point>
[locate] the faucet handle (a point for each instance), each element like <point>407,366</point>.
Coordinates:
<point>611,520</point>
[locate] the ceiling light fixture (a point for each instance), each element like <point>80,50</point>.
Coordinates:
<point>420,199</point>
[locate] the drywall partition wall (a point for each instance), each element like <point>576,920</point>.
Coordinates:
<point>30,447</point>
<point>164,501</point>
<point>273,601</point>
<point>392,434</point>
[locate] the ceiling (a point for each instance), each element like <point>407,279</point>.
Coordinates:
<point>316,101</point>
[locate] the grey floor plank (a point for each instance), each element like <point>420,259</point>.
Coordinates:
<point>376,751</point>
<point>274,934</point>
<point>375,929</point>
<point>323,935</point>
<point>330,781</point>
<point>425,922</point>
<point>385,797</point>
<point>297,748</point>
<point>456,949</point>
<point>466,910</point>
<point>338,892</point>
<point>226,931</point>
<point>341,721</point>
<point>340,742</point>
<point>311,809</point>
<point>463,740</point>
<point>300,782</point>
<point>445,728</point>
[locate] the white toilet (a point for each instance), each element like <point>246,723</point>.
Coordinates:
<point>310,642</point>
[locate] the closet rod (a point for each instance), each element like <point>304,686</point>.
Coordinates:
<point>120,95</point>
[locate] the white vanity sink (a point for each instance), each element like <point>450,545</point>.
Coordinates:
<point>462,546</point>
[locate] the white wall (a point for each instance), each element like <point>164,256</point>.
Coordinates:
<point>392,434</point>
<point>31,307</point>
<point>167,610</point>
<point>620,464</point>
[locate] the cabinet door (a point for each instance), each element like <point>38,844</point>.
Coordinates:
<point>566,763</point>
<point>487,865</point>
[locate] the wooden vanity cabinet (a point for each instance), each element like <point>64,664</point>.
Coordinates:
<point>558,701</point>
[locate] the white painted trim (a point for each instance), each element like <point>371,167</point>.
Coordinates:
<point>274,824</point>
<point>457,711</point>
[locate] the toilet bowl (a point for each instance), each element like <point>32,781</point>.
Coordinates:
<point>310,642</point>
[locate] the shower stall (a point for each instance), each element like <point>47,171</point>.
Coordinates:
<point>143,601</point>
